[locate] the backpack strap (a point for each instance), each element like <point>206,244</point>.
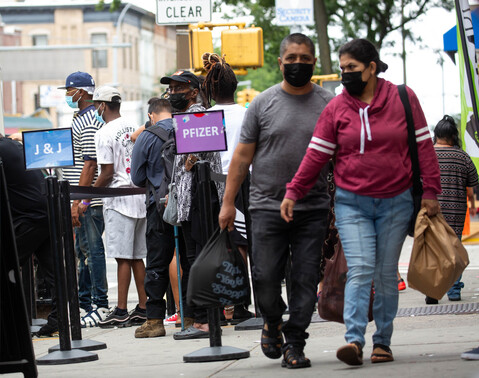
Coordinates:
<point>159,131</point>
<point>411,139</point>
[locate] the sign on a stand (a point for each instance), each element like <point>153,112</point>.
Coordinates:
<point>183,12</point>
<point>200,132</point>
<point>294,12</point>
<point>48,148</point>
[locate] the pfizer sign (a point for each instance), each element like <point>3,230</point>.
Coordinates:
<point>294,12</point>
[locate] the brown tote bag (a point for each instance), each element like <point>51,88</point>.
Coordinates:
<point>331,301</point>
<point>438,257</point>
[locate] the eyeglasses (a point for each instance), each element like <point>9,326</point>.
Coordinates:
<point>72,90</point>
<point>178,88</point>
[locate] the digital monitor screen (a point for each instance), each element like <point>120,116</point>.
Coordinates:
<point>200,132</point>
<point>51,148</point>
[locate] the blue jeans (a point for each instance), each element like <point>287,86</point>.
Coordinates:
<point>372,232</point>
<point>92,282</point>
<point>273,241</point>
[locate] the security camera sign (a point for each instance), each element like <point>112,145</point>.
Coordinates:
<point>174,12</point>
<point>294,12</point>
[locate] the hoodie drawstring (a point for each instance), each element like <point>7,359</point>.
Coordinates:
<point>363,116</point>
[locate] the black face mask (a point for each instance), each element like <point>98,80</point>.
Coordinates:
<point>298,74</point>
<point>178,101</point>
<point>353,82</point>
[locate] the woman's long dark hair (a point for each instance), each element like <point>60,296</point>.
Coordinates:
<point>446,129</point>
<point>363,51</point>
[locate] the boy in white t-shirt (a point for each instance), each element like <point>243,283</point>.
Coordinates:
<point>125,216</point>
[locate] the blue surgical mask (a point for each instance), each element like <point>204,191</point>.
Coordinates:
<point>99,117</point>
<point>69,100</point>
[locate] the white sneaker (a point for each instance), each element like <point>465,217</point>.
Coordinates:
<point>472,354</point>
<point>94,317</point>
<point>83,312</point>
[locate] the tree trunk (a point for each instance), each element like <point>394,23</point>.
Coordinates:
<point>321,19</point>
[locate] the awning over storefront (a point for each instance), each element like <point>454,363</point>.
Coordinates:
<point>17,124</point>
<point>450,37</point>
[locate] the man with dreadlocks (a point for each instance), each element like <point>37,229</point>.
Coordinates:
<point>220,85</point>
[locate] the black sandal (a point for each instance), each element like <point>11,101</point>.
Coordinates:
<point>272,340</point>
<point>295,359</point>
<point>381,353</point>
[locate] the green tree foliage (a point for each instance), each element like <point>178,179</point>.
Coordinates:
<point>371,19</point>
<point>115,5</point>
<point>375,20</point>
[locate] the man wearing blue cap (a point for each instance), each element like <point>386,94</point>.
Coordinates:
<point>87,215</point>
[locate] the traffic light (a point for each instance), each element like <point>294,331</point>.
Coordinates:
<point>331,85</point>
<point>330,82</point>
<point>241,97</point>
<point>245,96</point>
<point>201,41</point>
<point>243,47</point>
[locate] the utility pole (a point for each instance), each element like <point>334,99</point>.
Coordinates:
<point>403,37</point>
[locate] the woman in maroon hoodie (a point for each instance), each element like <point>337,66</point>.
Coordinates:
<point>365,128</point>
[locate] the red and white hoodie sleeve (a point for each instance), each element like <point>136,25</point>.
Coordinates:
<point>319,151</point>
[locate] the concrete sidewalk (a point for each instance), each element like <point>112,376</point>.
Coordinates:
<point>423,346</point>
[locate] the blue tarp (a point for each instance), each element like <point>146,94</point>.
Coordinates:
<point>450,37</point>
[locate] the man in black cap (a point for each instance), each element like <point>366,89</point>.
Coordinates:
<point>184,96</point>
<point>183,90</point>
<point>87,215</point>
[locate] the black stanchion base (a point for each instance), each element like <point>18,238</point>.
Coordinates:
<point>218,353</point>
<point>250,324</point>
<point>81,344</point>
<point>39,322</point>
<point>67,357</point>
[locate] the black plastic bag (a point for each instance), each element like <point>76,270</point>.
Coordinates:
<point>219,276</point>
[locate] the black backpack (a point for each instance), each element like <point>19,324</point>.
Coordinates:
<point>168,160</point>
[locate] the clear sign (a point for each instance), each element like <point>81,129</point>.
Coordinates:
<point>174,12</point>
<point>200,132</point>
<point>48,148</point>
<point>294,12</point>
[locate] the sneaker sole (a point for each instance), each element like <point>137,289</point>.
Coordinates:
<point>349,355</point>
<point>113,325</point>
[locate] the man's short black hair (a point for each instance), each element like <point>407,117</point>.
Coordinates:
<point>157,105</point>
<point>299,39</point>
<point>113,106</point>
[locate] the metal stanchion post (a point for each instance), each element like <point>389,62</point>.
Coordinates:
<point>256,322</point>
<point>216,352</point>
<point>71,276</point>
<point>65,355</point>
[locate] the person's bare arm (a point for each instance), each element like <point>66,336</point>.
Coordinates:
<point>239,166</point>
<point>472,200</point>
<point>86,179</point>
<point>105,177</point>
<point>135,135</point>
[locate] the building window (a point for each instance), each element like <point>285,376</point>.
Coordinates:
<point>99,57</point>
<point>40,40</point>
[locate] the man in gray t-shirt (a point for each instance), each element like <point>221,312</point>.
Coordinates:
<point>276,131</point>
